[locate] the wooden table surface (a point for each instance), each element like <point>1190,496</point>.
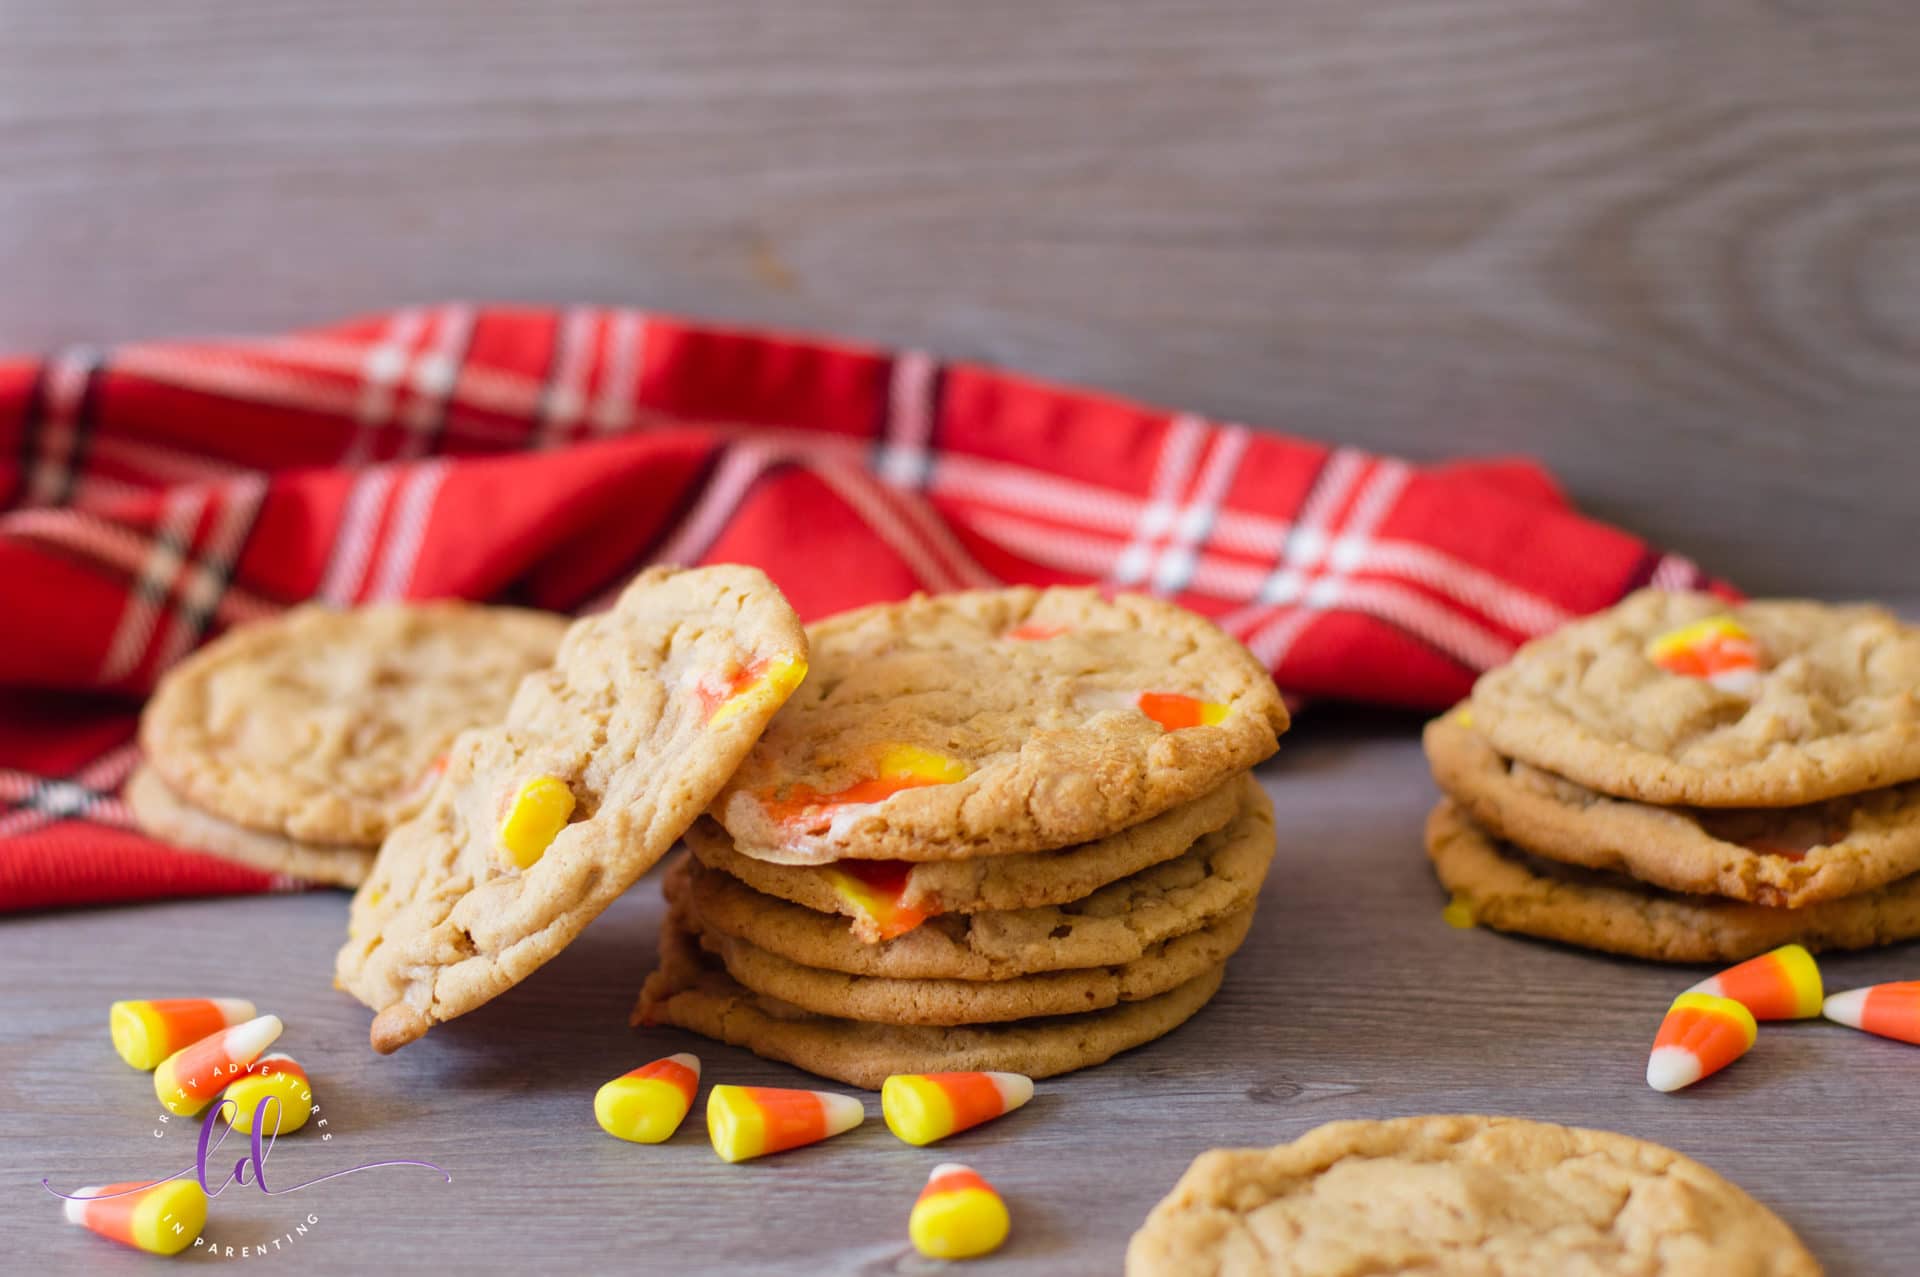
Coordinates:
<point>1351,999</point>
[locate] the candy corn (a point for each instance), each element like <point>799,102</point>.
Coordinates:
<point>648,1104</point>
<point>875,887</point>
<point>767,682</point>
<point>1782,985</point>
<point>1885,1010</point>
<point>1702,1034</point>
<point>1718,649</point>
<point>751,1121</point>
<point>923,1107</point>
<point>958,1215</point>
<point>162,1219</point>
<point>535,818</point>
<point>1174,711</point>
<point>145,1033</point>
<point>900,767</point>
<point>281,1077</point>
<point>187,1080</point>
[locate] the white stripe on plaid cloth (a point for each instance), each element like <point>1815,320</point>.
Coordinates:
<point>50,472</point>
<point>120,551</point>
<point>353,543</point>
<point>89,795</point>
<point>414,509</point>
<point>432,378</point>
<point>615,405</point>
<point>1179,450</point>
<point>166,554</point>
<point>904,456</point>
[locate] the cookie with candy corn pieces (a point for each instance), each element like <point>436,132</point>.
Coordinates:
<point>1884,1010</point>
<point>1119,923</point>
<point>884,899</point>
<point>996,723</point>
<point>1497,885</point>
<point>323,725</point>
<point>164,815</point>
<point>1456,1194</point>
<point>541,821</point>
<point>1790,857</point>
<point>1684,698</point>
<point>692,991</point>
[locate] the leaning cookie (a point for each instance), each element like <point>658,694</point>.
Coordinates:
<point>539,823</point>
<point>692,991</point>
<point>997,722</point>
<point>1502,887</point>
<point>1481,1195</point>
<point>1681,698</point>
<point>324,725</point>
<point>1792,857</point>
<point>161,813</point>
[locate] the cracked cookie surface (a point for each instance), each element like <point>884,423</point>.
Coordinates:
<point>599,765</point>
<point>1831,705</point>
<point>160,812</point>
<point>1489,1196</point>
<point>323,724</point>
<point>1506,889</point>
<point>1790,857</point>
<point>1117,924</point>
<point>999,722</point>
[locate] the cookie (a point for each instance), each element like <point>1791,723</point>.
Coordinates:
<point>601,763</point>
<point>998,722</point>
<point>1492,1196</point>
<point>984,883</point>
<point>161,814</point>
<point>1508,890</point>
<point>1119,923</point>
<point>1814,701</point>
<point>324,725</point>
<point>692,991</point>
<point>1779,856</point>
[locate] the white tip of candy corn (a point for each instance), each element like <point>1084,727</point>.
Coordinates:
<point>234,1009</point>
<point>945,1168</point>
<point>1670,1068</point>
<point>689,1061</point>
<point>1709,985</point>
<point>77,1210</point>
<point>1015,1088</point>
<point>246,1041</point>
<point>840,1112</point>
<point>1847,1008</point>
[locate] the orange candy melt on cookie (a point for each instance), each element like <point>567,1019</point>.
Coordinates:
<point>1173,711</point>
<point>1718,649</point>
<point>875,887</point>
<point>773,677</point>
<point>902,767</point>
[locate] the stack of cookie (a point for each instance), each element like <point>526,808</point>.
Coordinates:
<point>1002,830</point>
<point>295,744</point>
<point>1682,780</point>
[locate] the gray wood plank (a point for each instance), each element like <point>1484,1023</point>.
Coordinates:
<point>1351,999</point>
<point>1669,248</point>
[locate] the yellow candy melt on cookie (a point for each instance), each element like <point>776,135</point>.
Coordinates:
<point>765,682</point>
<point>539,812</point>
<point>1459,913</point>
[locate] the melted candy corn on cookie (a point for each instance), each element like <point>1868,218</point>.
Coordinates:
<point>1119,923</point>
<point>885,899</point>
<point>998,722</point>
<point>692,991</point>
<point>1792,856</point>
<point>1502,887</point>
<point>163,815</point>
<point>602,762</point>
<point>1681,698</point>
<point>325,725</point>
<point>1493,1196</point>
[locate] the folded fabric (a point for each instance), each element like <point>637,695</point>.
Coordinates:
<point>153,495</point>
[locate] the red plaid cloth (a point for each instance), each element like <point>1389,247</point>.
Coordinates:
<point>152,495</point>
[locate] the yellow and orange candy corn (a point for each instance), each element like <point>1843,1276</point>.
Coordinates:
<point>647,1105</point>
<point>535,817</point>
<point>958,1215</point>
<point>1884,1010</point>
<point>162,1219</point>
<point>278,1076</point>
<point>1718,649</point>
<point>1701,1035</point>
<point>752,1121</point>
<point>876,888</point>
<point>767,682</point>
<point>898,768</point>
<point>147,1032</point>
<point>187,1080</point>
<point>923,1107</point>
<point>1781,985</point>
<point>1173,711</point>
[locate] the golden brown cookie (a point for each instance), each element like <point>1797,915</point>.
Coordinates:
<point>1120,923</point>
<point>324,725</point>
<point>1783,856</point>
<point>997,722</point>
<point>1504,888</point>
<point>692,991</point>
<point>1683,698</point>
<point>1488,1196</point>
<point>861,889</point>
<point>601,763</point>
<point>162,814</point>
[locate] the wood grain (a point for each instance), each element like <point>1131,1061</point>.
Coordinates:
<point>1351,999</point>
<point>1672,248</point>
